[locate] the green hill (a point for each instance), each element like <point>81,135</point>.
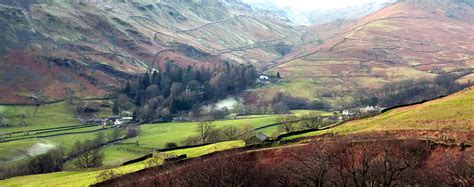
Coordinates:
<point>452,113</point>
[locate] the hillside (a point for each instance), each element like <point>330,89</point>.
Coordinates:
<point>451,116</point>
<point>56,49</point>
<point>406,40</point>
<point>437,134</point>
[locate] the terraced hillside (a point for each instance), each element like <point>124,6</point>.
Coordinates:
<point>406,40</point>
<point>55,49</point>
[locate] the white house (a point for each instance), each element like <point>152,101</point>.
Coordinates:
<point>347,113</point>
<point>263,78</point>
<point>371,109</point>
<point>127,119</point>
<point>117,122</point>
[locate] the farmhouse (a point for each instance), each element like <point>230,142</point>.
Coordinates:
<point>347,113</point>
<point>370,109</point>
<point>263,78</point>
<point>112,121</point>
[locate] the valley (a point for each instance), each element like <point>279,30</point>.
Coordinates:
<point>236,93</point>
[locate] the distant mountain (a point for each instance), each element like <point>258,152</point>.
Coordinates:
<point>347,13</point>
<point>404,41</point>
<point>318,15</point>
<point>50,49</point>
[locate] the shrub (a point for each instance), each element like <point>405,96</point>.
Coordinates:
<point>171,145</point>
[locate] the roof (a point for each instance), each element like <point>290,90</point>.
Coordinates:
<point>261,136</point>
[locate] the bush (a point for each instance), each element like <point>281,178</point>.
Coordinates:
<point>51,161</point>
<point>171,145</point>
<point>192,140</point>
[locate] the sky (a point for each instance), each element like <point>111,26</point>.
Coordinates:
<point>306,5</point>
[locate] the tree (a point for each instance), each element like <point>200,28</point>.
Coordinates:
<point>155,78</point>
<point>132,131</point>
<point>127,90</point>
<point>230,132</point>
<point>152,91</point>
<point>171,145</point>
<point>282,48</point>
<point>90,156</point>
<point>310,166</point>
<point>115,134</point>
<point>145,80</point>
<point>395,159</point>
<point>115,107</point>
<point>51,161</point>
<point>219,171</point>
<point>311,121</point>
<point>4,122</point>
<point>205,129</point>
<point>287,123</point>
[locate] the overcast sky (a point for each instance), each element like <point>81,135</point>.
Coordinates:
<point>317,4</point>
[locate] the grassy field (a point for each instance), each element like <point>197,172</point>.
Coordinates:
<point>22,148</point>
<point>452,113</point>
<point>47,116</point>
<point>301,113</point>
<point>152,136</point>
<point>157,135</point>
<point>86,178</point>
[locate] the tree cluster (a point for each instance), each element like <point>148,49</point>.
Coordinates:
<point>290,123</point>
<point>207,132</point>
<point>51,161</point>
<point>282,48</point>
<point>409,91</point>
<point>87,152</point>
<point>331,163</point>
<point>162,94</point>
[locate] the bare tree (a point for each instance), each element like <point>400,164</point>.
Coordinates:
<point>205,129</point>
<point>132,131</point>
<point>310,166</point>
<point>89,158</point>
<point>458,171</point>
<point>230,132</point>
<point>395,159</point>
<point>311,121</point>
<point>287,123</point>
<point>220,171</point>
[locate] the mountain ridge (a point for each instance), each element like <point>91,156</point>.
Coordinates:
<point>103,43</point>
